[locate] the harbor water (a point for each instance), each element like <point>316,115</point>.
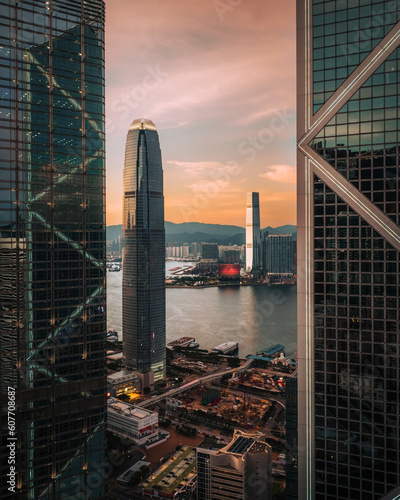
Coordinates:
<point>255,316</point>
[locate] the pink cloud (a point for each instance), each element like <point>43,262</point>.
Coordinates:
<point>208,83</point>
<point>280,173</point>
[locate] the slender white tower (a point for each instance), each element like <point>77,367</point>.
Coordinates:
<point>253,242</point>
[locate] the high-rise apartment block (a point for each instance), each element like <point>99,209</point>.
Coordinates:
<point>242,469</point>
<point>348,249</point>
<point>52,249</point>
<point>253,235</point>
<point>209,252</point>
<point>279,253</point>
<point>143,280</point>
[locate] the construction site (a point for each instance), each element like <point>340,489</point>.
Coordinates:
<point>222,406</point>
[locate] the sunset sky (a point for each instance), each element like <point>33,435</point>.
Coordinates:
<point>217,77</point>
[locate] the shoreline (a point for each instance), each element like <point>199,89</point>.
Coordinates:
<point>220,285</point>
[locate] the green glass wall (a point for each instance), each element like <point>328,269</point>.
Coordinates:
<point>52,243</point>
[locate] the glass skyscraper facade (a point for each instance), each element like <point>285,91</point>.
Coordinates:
<point>52,247</point>
<point>348,249</point>
<point>143,280</point>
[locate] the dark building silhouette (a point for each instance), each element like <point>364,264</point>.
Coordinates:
<point>291,437</point>
<point>143,286</point>
<point>209,251</point>
<point>279,250</point>
<point>52,248</point>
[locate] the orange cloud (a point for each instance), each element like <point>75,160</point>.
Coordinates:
<point>280,173</point>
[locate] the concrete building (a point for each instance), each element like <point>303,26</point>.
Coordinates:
<point>291,436</point>
<point>174,479</point>
<point>348,249</point>
<point>239,470</point>
<point>123,383</point>
<point>253,235</point>
<point>128,421</point>
<point>143,280</point>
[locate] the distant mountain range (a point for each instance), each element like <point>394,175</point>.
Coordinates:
<point>190,232</point>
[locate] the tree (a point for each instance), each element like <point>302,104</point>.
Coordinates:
<point>136,478</point>
<point>145,469</point>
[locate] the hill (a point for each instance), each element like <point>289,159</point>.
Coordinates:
<point>190,232</point>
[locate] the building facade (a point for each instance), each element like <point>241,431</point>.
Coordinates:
<point>52,249</point>
<point>241,469</point>
<point>143,258</point>
<point>253,235</point>
<point>279,250</point>
<point>291,436</point>
<point>348,249</point>
<point>130,422</point>
<point>209,252</point>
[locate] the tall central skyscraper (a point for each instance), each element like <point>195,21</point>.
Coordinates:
<point>348,249</point>
<point>143,287</point>
<point>253,236</point>
<point>52,249</point>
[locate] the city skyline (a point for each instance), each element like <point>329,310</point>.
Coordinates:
<point>185,68</point>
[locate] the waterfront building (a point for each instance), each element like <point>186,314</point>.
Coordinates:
<point>348,249</point>
<point>143,280</point>
<point>241,469</point>
<point>52,248</point>
<point>253,235</point>
<point>231,255</point>
<point>279,250</point>
<point>209,252</point>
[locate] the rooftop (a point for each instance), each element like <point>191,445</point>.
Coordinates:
<point>273,350</point>
<point>258,447</point>
<point>177,470</point>
<point>121,377</point>
<point>143,124</point>
<point>244,442</point>
<point>127,409</point>
<point>240,445</point>
<point>211,443</point>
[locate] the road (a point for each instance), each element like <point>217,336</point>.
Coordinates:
<point>191,385</point>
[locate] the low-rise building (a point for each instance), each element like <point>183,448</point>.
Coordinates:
<point>129,421</point>
<point>176,478</point>
<point>241,469</point>
<point>123,383</point>
<point>126,476</point>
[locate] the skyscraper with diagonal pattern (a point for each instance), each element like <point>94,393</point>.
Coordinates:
<point>52,246</point>
<point>348,249</point>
